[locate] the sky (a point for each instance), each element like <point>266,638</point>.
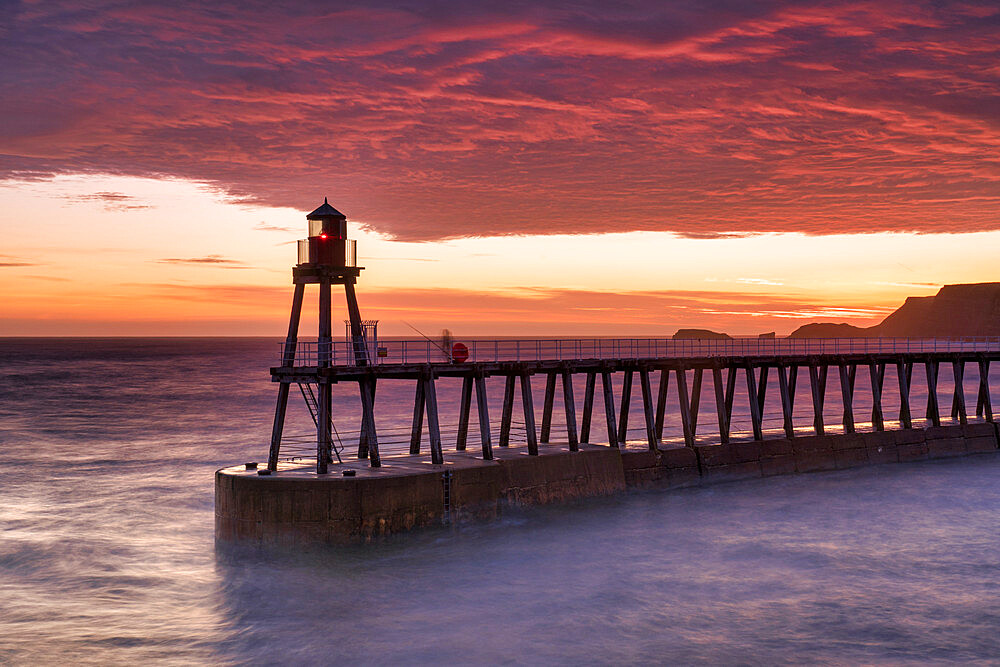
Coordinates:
<point>518,168</point>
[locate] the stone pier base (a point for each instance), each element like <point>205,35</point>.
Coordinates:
<point>294,504</point>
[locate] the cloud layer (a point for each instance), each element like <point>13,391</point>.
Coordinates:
<point>429,121</point>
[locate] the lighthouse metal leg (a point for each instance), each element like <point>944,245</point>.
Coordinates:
<point>324,442</point>
<point>588,406</point>
<point>418,418</point>
<point>569,407</point>
<point>357,331</point>
<point>547,405</point>
<point>278,427</point>
<point>464,410</point>
<point>508,410</point>
<point>291,340</point>
<point>609,408</point>
<point>484,417</point>
<point>324,345</point>
<point>529,414</point>
<point>624,407</point>
<point>368,408</point>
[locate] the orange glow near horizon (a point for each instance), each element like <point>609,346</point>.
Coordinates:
<point>174,258</point>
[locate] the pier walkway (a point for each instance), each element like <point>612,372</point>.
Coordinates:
<point>760,363</point>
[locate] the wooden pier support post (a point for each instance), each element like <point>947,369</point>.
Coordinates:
<point>787,406</point>
<point>721,404</point>
<point>484,417</point>
<point>278,427</point>
<point>933,411</point>
<point>984,406</point>
<point>762,390</point>
<point>367,389</point>
<point>529,414</point>
<point>508,410</point>
<point>756,417</point>
<point>958,401</point>
<point>685,406</point>
<point>817,383</point>
<point>847,394</point>
<point>609,407</point>
<point>547,405</point>
<point>695,399</point>
<point>876,373</point>
<point>416,431</point>
<point>648,410</point>
<point>569,407</point>
<point>588,406</point>
<point>625,406</point>
<point>464,411</point>
<point>661,402</point>
<point>903,373</point>
<point>433,420</point>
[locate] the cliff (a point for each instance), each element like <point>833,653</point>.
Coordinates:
<point>955,311</point>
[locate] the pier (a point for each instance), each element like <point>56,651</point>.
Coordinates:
<point>363,493</point>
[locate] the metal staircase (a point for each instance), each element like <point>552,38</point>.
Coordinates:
<point>313,406</point>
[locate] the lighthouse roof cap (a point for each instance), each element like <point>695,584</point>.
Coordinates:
<point>325,211</point>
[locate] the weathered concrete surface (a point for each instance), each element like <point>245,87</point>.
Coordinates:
<point>295,504</point>
<point>406,492</point>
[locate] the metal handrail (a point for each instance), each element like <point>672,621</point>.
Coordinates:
<point>417,351</point>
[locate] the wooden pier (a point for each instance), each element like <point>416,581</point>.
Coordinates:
<point>679,387</point>
<point>373,495</point>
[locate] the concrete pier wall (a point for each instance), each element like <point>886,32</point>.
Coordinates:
<point>295,505</point>
<point>672,468</point>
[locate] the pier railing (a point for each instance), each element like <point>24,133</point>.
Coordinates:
<point>343,353</point>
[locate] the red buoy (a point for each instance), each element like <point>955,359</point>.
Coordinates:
<point>459,353</point>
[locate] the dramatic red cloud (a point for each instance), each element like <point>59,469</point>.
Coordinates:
<point>427,122</point>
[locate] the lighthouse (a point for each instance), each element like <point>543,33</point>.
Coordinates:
<point>325,258</point>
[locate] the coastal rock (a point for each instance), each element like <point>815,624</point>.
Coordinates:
<point>700,334</point>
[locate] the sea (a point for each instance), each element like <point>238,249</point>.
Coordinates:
<point>108,554</point>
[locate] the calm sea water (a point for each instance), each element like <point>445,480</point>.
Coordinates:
<point>107,553</point>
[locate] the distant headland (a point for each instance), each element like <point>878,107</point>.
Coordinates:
<point>955,311</point>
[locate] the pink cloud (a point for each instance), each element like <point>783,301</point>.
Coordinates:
<point>705,121</point>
